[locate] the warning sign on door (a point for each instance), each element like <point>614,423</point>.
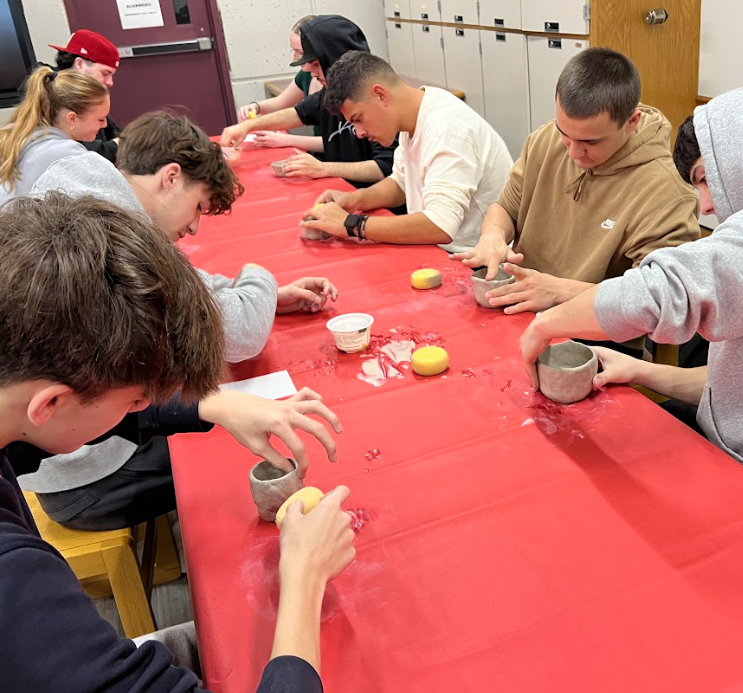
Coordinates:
<point>140,14</point>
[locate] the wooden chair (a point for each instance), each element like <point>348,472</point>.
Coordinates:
<point>106,563</point>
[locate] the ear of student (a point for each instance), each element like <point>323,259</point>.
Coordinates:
<point>48,401</point>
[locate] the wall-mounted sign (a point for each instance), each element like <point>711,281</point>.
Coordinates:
<point>140,14</point>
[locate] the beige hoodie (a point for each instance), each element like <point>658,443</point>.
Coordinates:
<point>593,224</point>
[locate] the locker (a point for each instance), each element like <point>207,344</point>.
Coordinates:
<point>555,16</point>
<point>429,54</point>
<point>547,57</point>
<point>429,10</point>
<point>463,65</point>
<point>397,9</point>
<point>459,11</point>
<point>505,77</point>
<point>501,13</point>
<point>400,44</point>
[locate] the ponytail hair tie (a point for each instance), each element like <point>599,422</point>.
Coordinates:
<point>53,76</point>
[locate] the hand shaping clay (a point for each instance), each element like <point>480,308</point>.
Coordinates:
<point>425,279</point>
<point>429,360</point>
<point>270,487</point>
<point>566,371</point>
<point>309,494</point>
<point>313,234</point>
<point>481,287</point>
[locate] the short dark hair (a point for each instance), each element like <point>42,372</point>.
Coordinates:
<point>66,60</point>
<point>686,150</point>
<point>160,138</point>
<point>97,298</point>
<point>351,74</point>
<point>598,80</point>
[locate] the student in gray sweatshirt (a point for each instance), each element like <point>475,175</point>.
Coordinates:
<point>676,292</point>
<point>60,110</point>
<point>172,173</point>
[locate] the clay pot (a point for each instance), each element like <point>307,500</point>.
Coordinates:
<point>566,371</point>
<point>270,487</point>
<point>278,168</point>
<point>481,287</point>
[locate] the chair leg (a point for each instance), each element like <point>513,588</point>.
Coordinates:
<point>147,567</point>
<point>126,584</point>
<point>167,561</point>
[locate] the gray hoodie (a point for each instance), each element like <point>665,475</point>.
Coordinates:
<point>696,287</point>
<point>248,305</point>
<point>43,147</point>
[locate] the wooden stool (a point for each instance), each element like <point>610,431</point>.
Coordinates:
<point>110,558</point>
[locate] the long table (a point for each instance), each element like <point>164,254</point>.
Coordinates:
<point>505,543</point>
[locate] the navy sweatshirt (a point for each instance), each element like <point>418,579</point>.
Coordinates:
<point>330,37</point>
<point>54,640</point>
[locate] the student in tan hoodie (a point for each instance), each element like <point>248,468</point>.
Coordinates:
<point>593,193</point>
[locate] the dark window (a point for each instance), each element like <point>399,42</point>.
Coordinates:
<point>182,14</point>
<point>16,53</point>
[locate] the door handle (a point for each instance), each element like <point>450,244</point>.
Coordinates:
<point>194,46</point>
<point>656,17</point>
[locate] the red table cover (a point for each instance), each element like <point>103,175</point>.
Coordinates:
<point>505,543</point>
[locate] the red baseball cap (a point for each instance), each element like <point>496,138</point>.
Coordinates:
<point>91,46</point>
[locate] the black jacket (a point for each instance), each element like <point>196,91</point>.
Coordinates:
<point>53,639</point>
<point>103,143</point>
<point>331,36</point>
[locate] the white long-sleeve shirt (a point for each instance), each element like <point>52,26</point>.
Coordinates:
<point>452,168</point>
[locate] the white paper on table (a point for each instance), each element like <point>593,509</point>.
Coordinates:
<point>271,386</point>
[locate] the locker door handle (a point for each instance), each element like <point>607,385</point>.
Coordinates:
<point>200,44</point>
<point>398,26</point>
<point>459,32</point>
<point>499,22</point>
<point>426,28</point>
<point>553,27</point>
<point>554,43</point>
<point>396,15</point>
<point>458,19</point>
<point>500,37</point>
<point>424,15</point>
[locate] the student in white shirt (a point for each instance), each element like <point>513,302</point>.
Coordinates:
<point>449,167</point>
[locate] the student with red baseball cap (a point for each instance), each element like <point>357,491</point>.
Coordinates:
<point>94,55</point>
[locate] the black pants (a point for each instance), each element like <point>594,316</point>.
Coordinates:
<point>141,490</point>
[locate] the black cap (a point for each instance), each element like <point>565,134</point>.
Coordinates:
<point>308,55</point>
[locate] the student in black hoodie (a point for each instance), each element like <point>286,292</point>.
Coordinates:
<point>325,39</point>
<point>74,276</point>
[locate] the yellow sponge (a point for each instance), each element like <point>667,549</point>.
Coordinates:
<point>425,279</point>
<point>430,360</point>
<point>309,494</point>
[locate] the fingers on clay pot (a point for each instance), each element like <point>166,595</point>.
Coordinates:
<point>566,371</point>
<point>481,286</point>
<point>278,168</point>
<point>270,487</point>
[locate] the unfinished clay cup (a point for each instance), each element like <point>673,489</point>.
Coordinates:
<point>270,487</point>
<point>481,286</point>
<point>566,371</point>
<point>278,168</point>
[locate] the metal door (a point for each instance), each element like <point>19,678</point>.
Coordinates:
<point>459,11</point>
<point>463,66</point>
<point>504,14</point>
<point>400,45</point>
<point>426,10</point>
<point>180,65</point>
<point>555,16</point>
<point>397,9</point>
<point>429,55</point>
<point>505,79</point>
<point>547,58</point>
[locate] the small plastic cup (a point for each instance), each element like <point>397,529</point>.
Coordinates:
<point>351,331</point>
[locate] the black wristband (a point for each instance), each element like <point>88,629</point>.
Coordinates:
<point>257,107</point>
<point>361,226</point>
